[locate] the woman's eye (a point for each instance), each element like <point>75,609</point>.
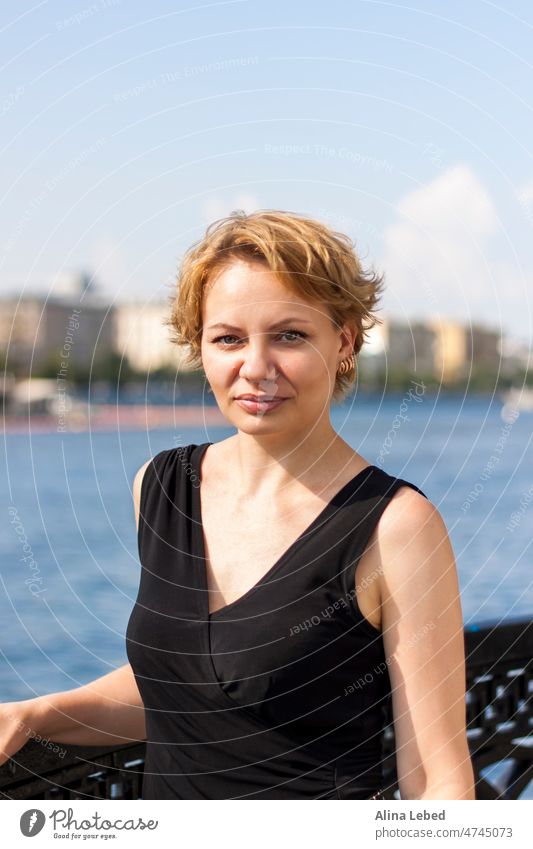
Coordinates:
<point>221,338</point>
<point>295,334</point>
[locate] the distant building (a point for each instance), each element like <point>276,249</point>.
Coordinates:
<point>484,348</point>
<point>461,349</point>
<point>410,346</point>
<point>444,348</point>
<point>19,321</point>
<point>141,337</point>
<point>38,330</point>
<point>450,350</point>
<point>76,326</point>
<point>516,357</point>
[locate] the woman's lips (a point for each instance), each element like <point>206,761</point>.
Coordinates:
<point>257,406</point>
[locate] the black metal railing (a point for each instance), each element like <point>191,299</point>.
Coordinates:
<point>499,724</point>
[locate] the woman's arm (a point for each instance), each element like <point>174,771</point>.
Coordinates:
<point>107,712</point>
<point>423,638</point>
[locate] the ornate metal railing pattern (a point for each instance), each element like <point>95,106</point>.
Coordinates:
<point>499,723</point>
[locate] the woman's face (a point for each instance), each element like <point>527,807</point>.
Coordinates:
<point>260,339</point>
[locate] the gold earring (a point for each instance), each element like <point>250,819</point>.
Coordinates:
<point>347,365</point>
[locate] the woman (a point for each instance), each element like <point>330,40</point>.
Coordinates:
<point>288,585</point>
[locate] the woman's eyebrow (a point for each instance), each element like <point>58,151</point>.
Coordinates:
<point>224,326</point>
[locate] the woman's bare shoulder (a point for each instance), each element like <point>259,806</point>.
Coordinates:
<point>136,489</point>
<point>412,538</point>
<point>408,520</point>
<point>139,474</point>
<point>407,510</point>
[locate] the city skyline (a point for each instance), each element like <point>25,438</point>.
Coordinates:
<point>40,331</point>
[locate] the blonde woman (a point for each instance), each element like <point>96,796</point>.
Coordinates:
<point>288,585</point>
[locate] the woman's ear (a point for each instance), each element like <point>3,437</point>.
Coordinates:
<point>348,339</point>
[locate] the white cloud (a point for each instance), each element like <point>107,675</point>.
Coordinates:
<point>438,255</point>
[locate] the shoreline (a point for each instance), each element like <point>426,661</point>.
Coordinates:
<point>116,418</point>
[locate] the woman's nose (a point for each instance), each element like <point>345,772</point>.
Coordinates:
<point>257,361</point>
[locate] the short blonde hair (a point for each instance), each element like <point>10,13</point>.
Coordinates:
<point>311,260</point>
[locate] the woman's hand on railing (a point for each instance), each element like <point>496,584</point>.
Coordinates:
<point>105,712</point>
<point>17,720</point>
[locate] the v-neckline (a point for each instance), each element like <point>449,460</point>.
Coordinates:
<point>196,461</point>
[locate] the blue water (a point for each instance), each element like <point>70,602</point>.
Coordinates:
<point>72,497</point>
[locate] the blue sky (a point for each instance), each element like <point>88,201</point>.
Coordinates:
<point>127,127</point>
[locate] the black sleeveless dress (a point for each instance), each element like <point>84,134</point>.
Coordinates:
<point>278,695</point>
